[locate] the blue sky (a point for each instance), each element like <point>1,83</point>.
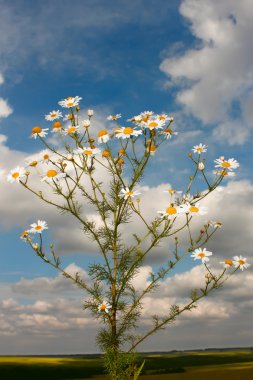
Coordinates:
<point>179,57</point>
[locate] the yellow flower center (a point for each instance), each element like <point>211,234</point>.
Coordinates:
<point>71,130</point>
<point>57,124</point>
<point>70,117</point>
<point>70,104</point>
<point>241,262</point>
<point>161,117</point>
<point>201,254</point>
<point>24,234</point>
<point>145,119</point>
<point>128,131</point>
<point>226,164</point>
<point>223,172</point>
<point>46,156</point>
<point>171,210</point>
<point>102,132</point>
<point>51,173</point>
<point>106,153</point>
<point>102,307</point>
<point>36,130</point>
<point>69,97</point>
<point>171,191</point>
<point>53,114</point>
<point>229,262</point>
<point>168,130</point>
<point>153,124</point>
<point>15,175</point>
<point>199,149</point>
<point>152,148</point>
<point>193,209</point>
<point>38,228</point>
<point>129,193</point>
<point>114,117</point>
<point>87,151</point>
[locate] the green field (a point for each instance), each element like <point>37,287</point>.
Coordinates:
<point>202,365</point>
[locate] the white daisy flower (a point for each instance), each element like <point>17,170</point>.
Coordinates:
<point>199,148</point>
<point>163,117</point>
<point>240,262</point>
<point>229,164</point>
<point>16,174</point>
<point>171,211</point>
<point>24,235</point>
<point>38,131</point>
<point>168,132</point>
<point>38,227</point>
<point>104,306</point>
<point>201,254</point>
<point>103,136</point>
<point>53,175</point>
<point>53,115</point>
<point>71,130</point>
<point>194,209</point>
<point>70,102</point>
<point>44,157</point>
<point>126,193</point>
<point>146,115</point>
<point>114,117</point>
<point>57,127</point>
<point>227,263</point>
<point>69,116</point>
<point>153,124</point>
<point>126,132</point>
<point>135,119</point>
<point>223,172</point>
<point>89,152</point>
<point>172,191</point>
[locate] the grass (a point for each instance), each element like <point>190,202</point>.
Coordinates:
<point>207,365</point>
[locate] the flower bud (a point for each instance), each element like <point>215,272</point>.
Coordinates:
<point>33,163</point>
<point>86,123</point>
<point>120,161</point>
<point>90,113</point>
<point>121,152</point>
<point>201,166</point>
<point>35,246</point>
<point>77,108</point>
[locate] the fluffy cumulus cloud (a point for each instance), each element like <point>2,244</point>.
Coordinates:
<point>216,76</point>
<point>5,108</point>
<point>49,310</point>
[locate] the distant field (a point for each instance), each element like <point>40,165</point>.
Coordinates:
<point>224,365</point>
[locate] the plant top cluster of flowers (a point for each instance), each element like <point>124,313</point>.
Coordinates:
<point>82,151</point>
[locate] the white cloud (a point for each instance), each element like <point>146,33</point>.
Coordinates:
<point>5,109</point>
<point>56,313</point>
<point>218,72</point>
